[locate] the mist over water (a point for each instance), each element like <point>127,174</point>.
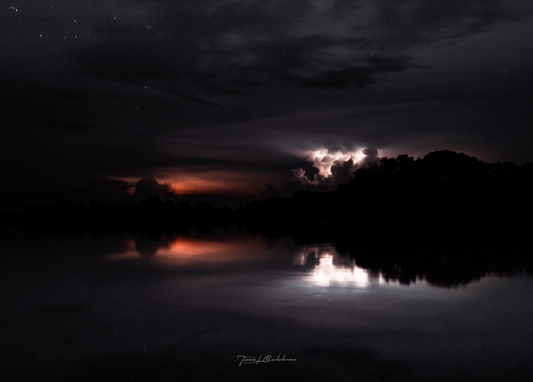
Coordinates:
<point>186,305</point>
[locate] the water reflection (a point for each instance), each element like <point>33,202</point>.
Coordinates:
<point>323,264</point>
<point>195,248</point>
<point>329,268</point>
<point>75,311</point>
<point>147,247</point>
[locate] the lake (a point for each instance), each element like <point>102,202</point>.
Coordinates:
<point>230,305</point>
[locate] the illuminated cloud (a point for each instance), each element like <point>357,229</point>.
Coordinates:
<point>334,166</point>
<point>324,160</point>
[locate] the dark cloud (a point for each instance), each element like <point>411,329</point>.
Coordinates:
<point>101,188</point>
<point>252,39</point>
<point>359,76</point>
<point>371,157</point>
<point>235,56</point>
<point>147,187</point>
<point>191,97</point>
<point>411,23</point>
<point>341,172</point>
<point>344,78</point>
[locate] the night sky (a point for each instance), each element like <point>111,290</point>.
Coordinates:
<point>224,97</point>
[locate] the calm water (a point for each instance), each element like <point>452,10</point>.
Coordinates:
<point>124,307</point>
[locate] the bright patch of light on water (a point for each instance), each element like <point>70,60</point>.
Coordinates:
<point>328,268</point>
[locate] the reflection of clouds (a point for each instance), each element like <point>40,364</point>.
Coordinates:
<point>200,249</point>
<point>330,268</point>
<point>146,247</point>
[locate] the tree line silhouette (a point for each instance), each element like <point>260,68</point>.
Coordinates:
<point>402,213</point>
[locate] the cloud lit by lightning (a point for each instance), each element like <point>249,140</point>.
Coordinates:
<point>334,166</point>
<point>325,159</point>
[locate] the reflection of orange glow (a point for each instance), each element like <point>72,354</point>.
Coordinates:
<point>186,249</point>
<point>201,249</point>
<point>189,250</point>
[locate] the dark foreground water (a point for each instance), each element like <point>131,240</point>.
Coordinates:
<point>190,307</point>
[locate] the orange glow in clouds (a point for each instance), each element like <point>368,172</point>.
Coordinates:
<point>210,182</point>
<point>244,183</point>
<point>237,183</point>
